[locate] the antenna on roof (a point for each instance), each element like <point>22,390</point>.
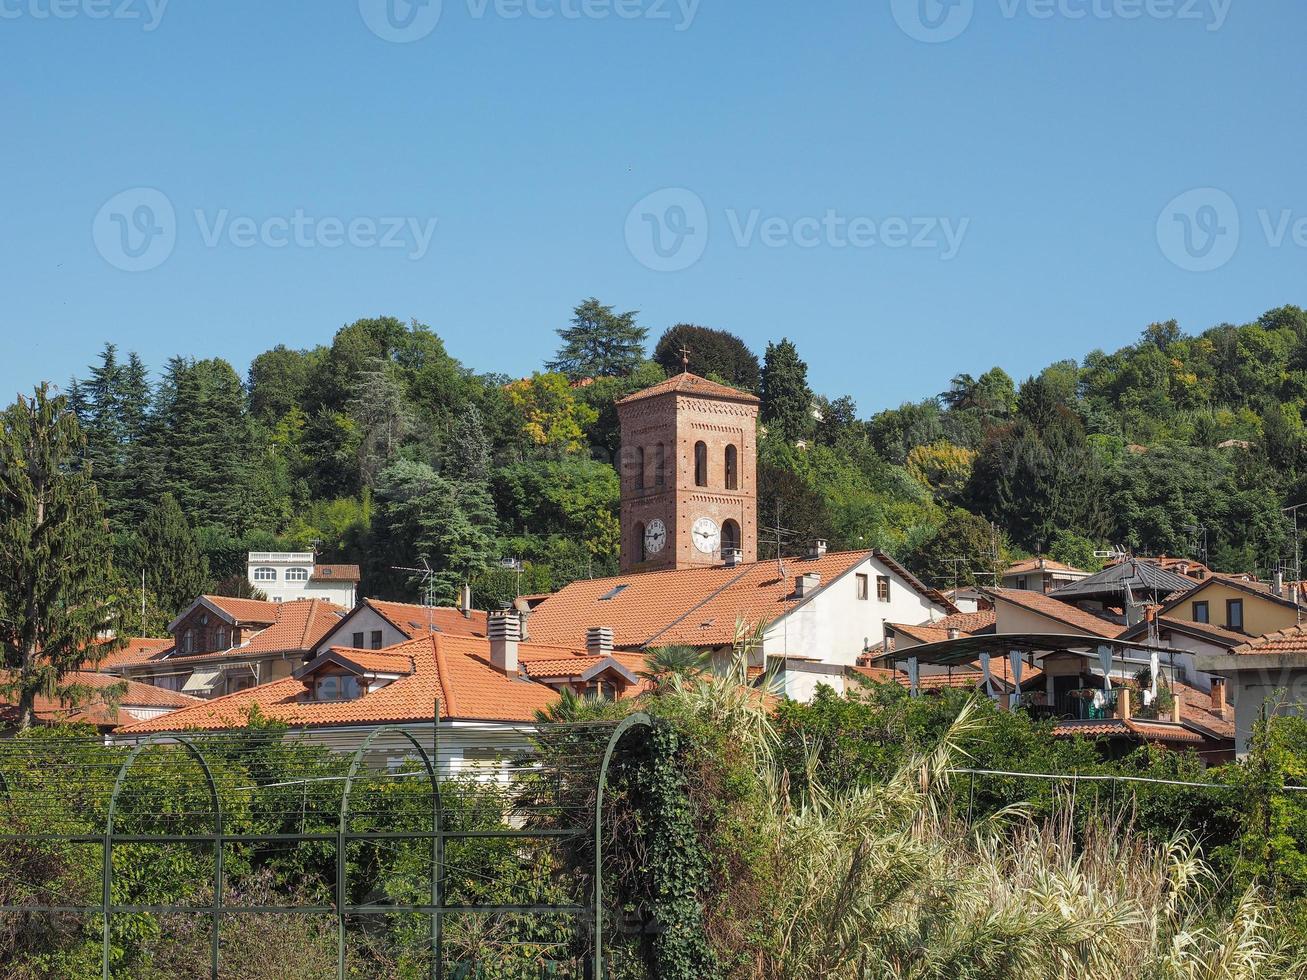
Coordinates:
<point>428,585</point>
<point>780,532</point>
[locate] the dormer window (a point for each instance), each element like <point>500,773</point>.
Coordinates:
<point>265,575</point>
<point>188,641</point>
<point>336,687</point>
<point>297,575</point>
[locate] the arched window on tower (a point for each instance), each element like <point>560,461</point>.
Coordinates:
<point>660,465</point>
<point>639,468</point>
<point>732,468</point>
<point>700,464</point>
<point>730,537</point>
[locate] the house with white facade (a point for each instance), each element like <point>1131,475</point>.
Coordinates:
<point>284,576</point>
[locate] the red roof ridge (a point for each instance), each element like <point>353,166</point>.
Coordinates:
<point>442,675</point>
<point>693,383</point>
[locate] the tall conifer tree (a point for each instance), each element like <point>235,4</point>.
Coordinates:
<point>55,572</point>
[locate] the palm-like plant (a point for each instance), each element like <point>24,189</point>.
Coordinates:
<point>664,663</point>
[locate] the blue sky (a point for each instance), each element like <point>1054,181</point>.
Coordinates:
<point>903,209</point>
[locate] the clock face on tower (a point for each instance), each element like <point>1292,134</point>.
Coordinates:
<point>706,534</point>
<point>655,537</point>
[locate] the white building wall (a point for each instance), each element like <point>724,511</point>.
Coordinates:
<point>364,620</point>
<point>282,587</point>
<point>835,626</point>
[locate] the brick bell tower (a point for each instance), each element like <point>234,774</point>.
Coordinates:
<point>689,475</point>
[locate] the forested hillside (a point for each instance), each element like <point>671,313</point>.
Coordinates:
<point>382,448</point>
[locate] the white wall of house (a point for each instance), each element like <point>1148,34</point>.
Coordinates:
<point>365,620</point>
<point>1252,689</point>
<point>835,626</point>
<point>285,576</point>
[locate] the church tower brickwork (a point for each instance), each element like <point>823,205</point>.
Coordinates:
<point>689,475</point>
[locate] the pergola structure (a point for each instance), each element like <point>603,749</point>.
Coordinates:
<point>1026,649</point>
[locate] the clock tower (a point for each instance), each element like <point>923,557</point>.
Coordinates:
<point>689,475</point>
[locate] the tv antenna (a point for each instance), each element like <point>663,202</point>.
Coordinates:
<point>514,565</point>
<point>1199,532</point>
<point>780,533</point>
<point>428,576</point>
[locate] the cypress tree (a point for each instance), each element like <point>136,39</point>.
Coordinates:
<point>786,397</point>
<point>55,571</point>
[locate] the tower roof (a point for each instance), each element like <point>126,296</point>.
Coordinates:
<point>691,384</point>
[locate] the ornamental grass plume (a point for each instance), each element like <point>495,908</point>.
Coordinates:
<point>887,881</point>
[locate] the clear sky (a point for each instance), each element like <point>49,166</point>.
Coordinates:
<point>1004,191</point>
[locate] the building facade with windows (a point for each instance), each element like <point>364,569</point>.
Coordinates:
<point>285,576</point>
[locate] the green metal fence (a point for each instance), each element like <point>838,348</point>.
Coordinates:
<point>494,833</point>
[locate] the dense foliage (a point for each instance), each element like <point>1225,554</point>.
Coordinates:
<point>382,448</point>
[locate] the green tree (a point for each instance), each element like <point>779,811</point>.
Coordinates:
<point>166,549</point>
<point>713,354</point>
<point>786,398</point>
<point>467,457</point>
<point>550,415</point>
<point>599,343</point>
<point>965,550</point>
<point>55,568</point>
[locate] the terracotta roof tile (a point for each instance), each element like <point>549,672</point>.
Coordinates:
<point>690,384</point>
<point>1290,640</point>
<point>454,669</point>
<point>1152,731</point>
<point>975,622</point>
<point>695,607</point>
<point>1063,612</point>
<point>245,610</point>
<point>95,709</point>
<point>299,627</point>
<point>137,650</point>
<point>336,573</point>
<point>414,620</point>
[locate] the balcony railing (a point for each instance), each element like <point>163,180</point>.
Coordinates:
<point>281,558</point>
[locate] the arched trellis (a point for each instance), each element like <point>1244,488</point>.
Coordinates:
<point>597,742</point>
<point>437,842</point>
<point>627,724</point>
<point>107,884</point>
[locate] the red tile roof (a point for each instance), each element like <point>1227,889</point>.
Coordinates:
<point>1290,640</point>
<point>1062,612</point>
<point>695,607</point>
<point>691,384</point>
<point>414,620</point>
<point>93,708</point>
<point>456,670</point>
<point>299,627</point>
<point>1149,731</point>
<point>974,622</point>
<point>336,573</point>
<point>135,651</point>
<point>245,610</point>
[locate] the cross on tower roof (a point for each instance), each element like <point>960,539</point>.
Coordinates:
<point>685,359</point>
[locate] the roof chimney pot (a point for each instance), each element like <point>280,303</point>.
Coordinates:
<point>599,641</point>
<point>818,549</point>
<point>805,585</point>
<point>1219,707</point>
<point>504,630</point>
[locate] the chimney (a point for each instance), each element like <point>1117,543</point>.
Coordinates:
<point>523,614</point>
<point>1123,703</point>
<point>733,557</point>
<point>1218,697</point>
<point>954,633</point>
<point>599,641</point>
<point>1177,706</point>
<point>504,633</point>
<point>1278,585</point>
<point>817,549</point>
<point>465,600</point>
<point>806,585</point>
